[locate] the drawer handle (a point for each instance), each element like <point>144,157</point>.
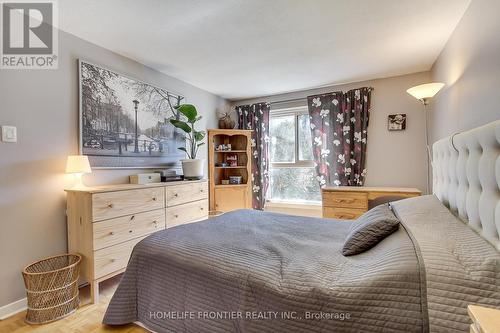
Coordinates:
<point>132,217</point>
<point>176,216</point>
<point>112,259</point>
<point>176,195</point>
<point>345,200</point>
<point>111,233</point>
<point>201,208</point>
<point>201,191</point>
<point>154,198</point>
<point>130,231</point>
<point>110,205</point>
<point>155,224</point>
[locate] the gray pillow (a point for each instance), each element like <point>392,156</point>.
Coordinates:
<point>369,229</point>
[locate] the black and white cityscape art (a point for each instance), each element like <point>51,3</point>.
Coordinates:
<point>125,122</point>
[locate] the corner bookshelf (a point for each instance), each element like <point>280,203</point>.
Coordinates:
<point>230,162</point>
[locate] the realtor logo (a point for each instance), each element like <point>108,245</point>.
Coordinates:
<point>29,35</point>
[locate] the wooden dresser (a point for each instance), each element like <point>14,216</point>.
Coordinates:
<point>106,222</point>
<point>349,202</point>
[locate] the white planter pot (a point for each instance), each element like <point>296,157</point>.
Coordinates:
<point>193,169</point>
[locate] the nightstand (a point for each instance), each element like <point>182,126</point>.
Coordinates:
<point>349,202</point>
<point>484,320</point>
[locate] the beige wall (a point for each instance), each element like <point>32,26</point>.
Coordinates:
<point>43,104</point>
<point>393,158</point>
<point>470,66</point>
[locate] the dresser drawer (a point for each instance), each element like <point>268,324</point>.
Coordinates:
<point>113,204</point>
<point>345,199</point>
<point>342,213</point>
<point>121,229</point>
<point>113,258</point>
<point>180,194</point>
<point>187,213</point>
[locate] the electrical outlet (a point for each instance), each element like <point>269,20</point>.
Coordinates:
<point>9,134</point>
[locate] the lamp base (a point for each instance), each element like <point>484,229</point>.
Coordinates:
<point>78,182</point>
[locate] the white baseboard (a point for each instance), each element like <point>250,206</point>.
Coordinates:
<point>11,309</point>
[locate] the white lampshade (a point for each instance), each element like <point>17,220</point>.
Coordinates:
<point>78,164</point>
<point>425,91</point>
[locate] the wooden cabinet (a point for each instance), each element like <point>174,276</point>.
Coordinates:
<point>225,162</point>
<point>106,222</point>
<point>231,198</point>
<point>350,202</point>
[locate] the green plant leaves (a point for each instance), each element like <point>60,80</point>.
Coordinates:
<point>184,150</point>
<point>199,135</point>
<point>189,111</point>
<point>180,124</point>
<point>193,136</point>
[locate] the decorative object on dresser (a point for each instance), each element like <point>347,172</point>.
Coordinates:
<point>350,202</point>
<point>145,178</point>
<point>105,222</point>
<point>169,175</point>
<point>484,320</point>
<point>78,165</point>
<point>224,194</point>
<point>192,167</point>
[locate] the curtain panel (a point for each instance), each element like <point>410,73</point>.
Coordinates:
<point>339,129</point>
<point>255,117</point>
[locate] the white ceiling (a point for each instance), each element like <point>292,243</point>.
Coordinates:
<point>246,48</point>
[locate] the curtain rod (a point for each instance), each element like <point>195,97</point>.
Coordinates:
<point>289,100</point>
<point>302,98</point>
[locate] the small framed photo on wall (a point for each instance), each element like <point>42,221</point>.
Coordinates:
<point>396,122</point>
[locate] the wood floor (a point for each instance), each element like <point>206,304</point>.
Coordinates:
<point>87,318</point>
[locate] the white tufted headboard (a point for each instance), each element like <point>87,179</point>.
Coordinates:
<point>466,178</point>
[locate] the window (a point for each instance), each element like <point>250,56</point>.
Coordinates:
<point>292,175</point>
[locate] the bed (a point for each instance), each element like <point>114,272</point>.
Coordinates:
<point>251,271</point>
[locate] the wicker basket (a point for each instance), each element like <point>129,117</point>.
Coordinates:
<point>52,288</point>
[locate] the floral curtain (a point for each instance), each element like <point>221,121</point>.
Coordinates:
<point>339,127</point>
<point>256,117</point>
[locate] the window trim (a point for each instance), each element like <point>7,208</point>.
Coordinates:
<point>296,112</point>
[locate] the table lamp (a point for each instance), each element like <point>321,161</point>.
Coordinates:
<point>78,165</point>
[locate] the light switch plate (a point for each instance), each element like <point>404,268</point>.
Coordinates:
<point>9,134</point>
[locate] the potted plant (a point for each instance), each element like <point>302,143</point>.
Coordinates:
<point>191,167</point>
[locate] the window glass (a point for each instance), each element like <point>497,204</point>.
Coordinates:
<point>282,133</point>
<point>305,143</point>
<point>294,184</point>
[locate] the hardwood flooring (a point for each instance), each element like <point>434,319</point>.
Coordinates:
<point>88,318</point>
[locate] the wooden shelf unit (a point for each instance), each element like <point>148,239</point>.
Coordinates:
<point>233,196</point>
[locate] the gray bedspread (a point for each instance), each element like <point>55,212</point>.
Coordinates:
<point>461,268</point>
<point>251,271</point>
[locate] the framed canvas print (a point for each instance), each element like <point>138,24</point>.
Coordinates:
<point>396,122</point>
<point>124,123</point>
